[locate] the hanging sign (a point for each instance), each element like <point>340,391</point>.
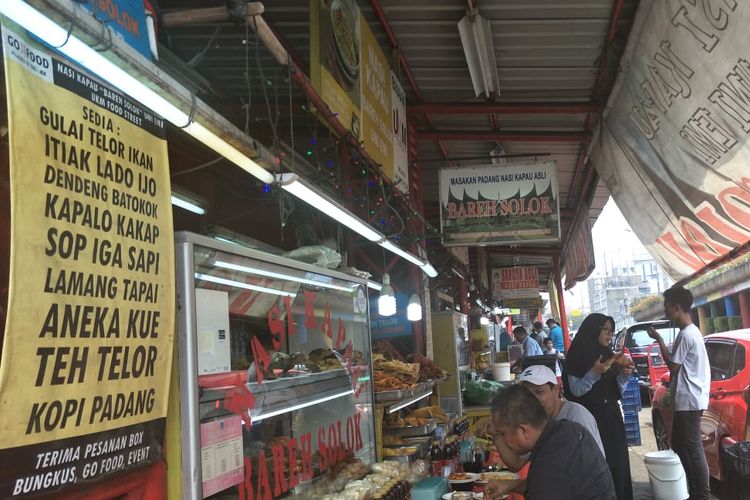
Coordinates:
<point>499,205</point>
<point>399,129</point>
<point>87,350</point>
<point>515,283</point>
<point>673,147</point>
<point>355,80</point>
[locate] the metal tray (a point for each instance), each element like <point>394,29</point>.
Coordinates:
<point>407,459</point>
<point>412,431</point>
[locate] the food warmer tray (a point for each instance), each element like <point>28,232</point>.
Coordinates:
<point>412,430</point>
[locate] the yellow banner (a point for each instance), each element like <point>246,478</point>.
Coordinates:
<point>335,59</point>
<point>376,102</point>
<point>88,339</point>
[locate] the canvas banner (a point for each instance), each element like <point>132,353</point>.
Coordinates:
<point>87,351</point>
<point>673,146</point>
<point>496,205</point>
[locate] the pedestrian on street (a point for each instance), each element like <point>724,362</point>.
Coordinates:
<point>556,334</point>
<point>596,377</point>
<point>690,382</point>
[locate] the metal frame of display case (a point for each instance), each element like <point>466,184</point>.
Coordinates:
<point>187,343</point>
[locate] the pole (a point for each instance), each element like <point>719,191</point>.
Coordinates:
<point>561,301</point>
<point>744,297</point>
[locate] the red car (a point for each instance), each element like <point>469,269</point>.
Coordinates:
<point>725,422</point>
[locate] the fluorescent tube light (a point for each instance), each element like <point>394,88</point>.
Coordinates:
<point>270,274</point>
<point>294,184</point>
<point>429,270</point>
<point>239,284</point>
<point>374,285</point>
<point>67,43</point>
<point>414,309</point>
<point>258,418</point>
<point>479,50</point>
<point>392,247</point>
<point>187,202</point>
<point>408,402</point>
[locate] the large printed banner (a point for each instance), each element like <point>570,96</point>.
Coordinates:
<point>499,205</point>
<point>87,351</point>
<point>354,78</point>
<point>673,147</point>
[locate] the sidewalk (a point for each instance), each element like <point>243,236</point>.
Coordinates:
<point>641,487</point>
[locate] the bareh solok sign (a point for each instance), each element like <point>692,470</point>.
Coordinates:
<point>499,204</point>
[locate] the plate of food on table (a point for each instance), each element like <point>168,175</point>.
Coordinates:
<point>462,477</point>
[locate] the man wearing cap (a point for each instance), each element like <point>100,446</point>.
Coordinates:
<point>542,382</point>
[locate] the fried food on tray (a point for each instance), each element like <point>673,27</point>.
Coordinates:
<point>430,412</point>
<point>389,440</point>
<point>393,420</point>
<point>428,370</point>
<point>385,382</point>
<point>387,350</point>
<point>459,476</point>
<point>407,372</point>
<point>416,421</point>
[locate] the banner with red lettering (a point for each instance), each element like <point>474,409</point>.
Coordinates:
<point>499,205</point>
<point>673,145</point>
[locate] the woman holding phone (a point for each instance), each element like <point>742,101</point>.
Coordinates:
<point>596,377</point>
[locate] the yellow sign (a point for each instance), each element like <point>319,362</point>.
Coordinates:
<point>87,351</point>
<point>335,59</point>
<point>376,102</point>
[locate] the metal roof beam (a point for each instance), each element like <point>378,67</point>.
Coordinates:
<point>510,108</point>
<point>501,136</point>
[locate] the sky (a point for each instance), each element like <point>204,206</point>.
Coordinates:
<point>614,243</point>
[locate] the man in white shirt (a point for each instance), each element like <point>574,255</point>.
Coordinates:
<point>690,384</point>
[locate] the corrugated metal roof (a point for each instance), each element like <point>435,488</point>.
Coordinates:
<point>547,51</point>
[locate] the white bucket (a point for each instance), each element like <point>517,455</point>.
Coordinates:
<point>666,475</point>
<point>501,372</point>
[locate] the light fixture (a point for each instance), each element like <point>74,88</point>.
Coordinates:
<point>484,320</point>
<point>188,201</point>
<point>66,42</point>
<point>408,402</point>
<point>374,285</point>
<point>270,274</point>
<point>387,300</point>
<point>239,284</point>
<point>479,50</point>
<point>414,309</point>
<point>497,310</point>
<point>294,184</point>
<point>262,416</point>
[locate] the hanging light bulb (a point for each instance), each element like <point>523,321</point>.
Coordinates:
<point>387,300</point>
<point>484,320</point>
<point>414,309</point>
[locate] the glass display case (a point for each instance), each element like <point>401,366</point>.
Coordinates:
<point>450,340</point>
<point>275,369</point>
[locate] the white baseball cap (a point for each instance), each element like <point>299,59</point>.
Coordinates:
<point>537,375</point>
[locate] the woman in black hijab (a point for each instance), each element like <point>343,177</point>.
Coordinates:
<point>595,377</point>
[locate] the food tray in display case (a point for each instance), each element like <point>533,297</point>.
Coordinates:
<point>413,430</point>
<point>275,360</point>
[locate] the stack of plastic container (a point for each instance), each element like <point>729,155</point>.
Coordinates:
<point>631,405</point>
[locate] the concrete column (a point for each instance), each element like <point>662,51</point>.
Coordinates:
<point>702,319</point>
<point>729,305</point>
<point>744,299</point>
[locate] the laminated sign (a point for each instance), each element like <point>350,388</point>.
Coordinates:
<point>498,205</point>
<point>87,351</point>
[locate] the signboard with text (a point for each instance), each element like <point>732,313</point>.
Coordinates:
<point>355,80</point>
<point>87,351</point>
<point>515,283</point>
<point>499,205</point>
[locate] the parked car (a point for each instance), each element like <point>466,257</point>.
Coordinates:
<point>636,341</point>
<point>725,421</point>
